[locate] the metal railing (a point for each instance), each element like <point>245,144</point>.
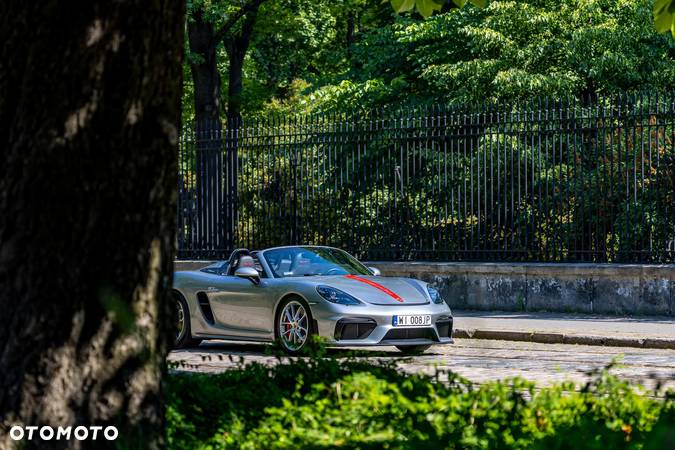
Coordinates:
<point>572,180</point>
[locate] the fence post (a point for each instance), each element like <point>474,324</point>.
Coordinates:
<point>231,171</point>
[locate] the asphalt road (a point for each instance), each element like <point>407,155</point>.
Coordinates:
<point>477,360</point>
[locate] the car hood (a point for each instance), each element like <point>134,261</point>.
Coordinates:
<point>378,290</point>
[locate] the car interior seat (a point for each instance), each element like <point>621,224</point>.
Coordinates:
<point>235,257</point>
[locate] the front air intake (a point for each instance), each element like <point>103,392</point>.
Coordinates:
<point>354,328</point>
<point>444,326</point>
<point>396,334</point>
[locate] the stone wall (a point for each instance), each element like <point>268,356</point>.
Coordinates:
<point>585,288</point>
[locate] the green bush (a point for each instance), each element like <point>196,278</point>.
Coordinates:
<point>319,403</point>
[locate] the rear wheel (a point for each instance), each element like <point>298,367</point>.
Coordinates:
<point>184,337</point>
<point>293,325</point>
<point>413,349</point>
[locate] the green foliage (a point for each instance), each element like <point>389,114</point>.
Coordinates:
<point>508,50</point>
<point>664,10</point>
<point>302,60</point>
<point>320,403</point>
<point>296,44</point>
<point>293,40</point>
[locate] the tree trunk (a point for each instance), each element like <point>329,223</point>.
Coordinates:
<point>209,143</point>
<point>89,116</point>
<point>349,38</point>
<point>204,68</point>
<point>237,46</point>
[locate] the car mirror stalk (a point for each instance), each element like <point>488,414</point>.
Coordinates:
<point>249,273</point>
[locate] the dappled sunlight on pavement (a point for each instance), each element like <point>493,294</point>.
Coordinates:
<point>476,360</point>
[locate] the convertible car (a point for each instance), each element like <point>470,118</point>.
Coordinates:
<point>289,293</point>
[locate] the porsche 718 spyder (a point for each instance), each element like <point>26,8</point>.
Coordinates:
<point>290,293</point>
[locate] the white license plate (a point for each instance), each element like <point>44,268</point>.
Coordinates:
<point>417,320</point>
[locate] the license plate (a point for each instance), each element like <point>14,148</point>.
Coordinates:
<point>418,320</point>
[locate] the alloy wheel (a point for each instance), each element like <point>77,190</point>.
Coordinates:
<point>293,325</point>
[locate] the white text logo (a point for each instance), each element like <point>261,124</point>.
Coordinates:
<point>47,433</point>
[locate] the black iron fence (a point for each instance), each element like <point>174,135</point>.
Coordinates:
<point>573,180</point>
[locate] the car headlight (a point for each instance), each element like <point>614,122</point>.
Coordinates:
<point>337,296</point>
<point>435,295</point>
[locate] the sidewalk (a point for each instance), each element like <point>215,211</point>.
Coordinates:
<point>558,328</point>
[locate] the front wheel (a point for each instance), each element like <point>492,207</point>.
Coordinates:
<point>293,325</point>
<point>413,349</point>
<point>184,337</point>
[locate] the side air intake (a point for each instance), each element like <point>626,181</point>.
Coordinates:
<point>205,307</point>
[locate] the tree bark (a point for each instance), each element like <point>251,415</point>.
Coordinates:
<point>89,117</point>
<point>204,68</point>
<point>237,45</point>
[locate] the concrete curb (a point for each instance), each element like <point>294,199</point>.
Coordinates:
<point>560,338</point>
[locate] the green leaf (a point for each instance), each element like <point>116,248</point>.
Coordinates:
<point>427,7</point>
<point>661,6</point>
<point>402,5</point>
<point>459,3</point>
<point>480,3</point>
<point>663,21</point>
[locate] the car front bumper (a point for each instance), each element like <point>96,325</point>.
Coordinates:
<point>372,325</point>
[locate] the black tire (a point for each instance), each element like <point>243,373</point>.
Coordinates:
<point>413,349</point>
<point>184,339</point>
<point>310,325</point>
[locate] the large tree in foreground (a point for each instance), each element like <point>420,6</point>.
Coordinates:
<point>89,112</point>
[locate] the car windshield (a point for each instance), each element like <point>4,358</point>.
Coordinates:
<point>308,261</point>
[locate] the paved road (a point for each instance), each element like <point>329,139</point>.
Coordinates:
<point>477,360</point>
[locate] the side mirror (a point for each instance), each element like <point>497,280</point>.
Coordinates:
<point>249,273</point>
<point>376,272</point>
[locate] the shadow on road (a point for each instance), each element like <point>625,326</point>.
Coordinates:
<point>257,349</point>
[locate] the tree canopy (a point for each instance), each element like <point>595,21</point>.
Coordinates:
<point>309,56</point>
<point>664,10</point>
<point>505,51</point>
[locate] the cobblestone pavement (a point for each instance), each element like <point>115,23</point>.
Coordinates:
<point>477,360</point>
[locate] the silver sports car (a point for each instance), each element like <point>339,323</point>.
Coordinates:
<point>289,293</point>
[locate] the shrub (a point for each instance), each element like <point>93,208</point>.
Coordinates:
<point>320,402</point>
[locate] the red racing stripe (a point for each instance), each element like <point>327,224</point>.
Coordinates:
<point>389,292</point>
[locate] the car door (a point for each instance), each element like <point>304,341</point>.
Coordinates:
<point>242,308</point>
